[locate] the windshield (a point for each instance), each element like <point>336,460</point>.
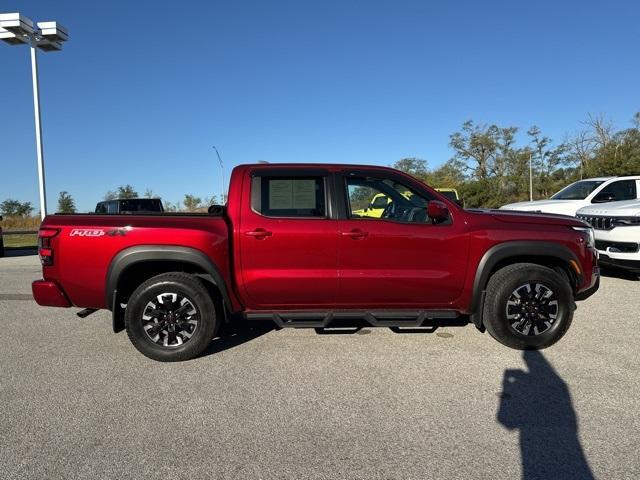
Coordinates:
<point>578,191</point>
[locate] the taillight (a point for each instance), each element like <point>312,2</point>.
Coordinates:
<point>45,251</point>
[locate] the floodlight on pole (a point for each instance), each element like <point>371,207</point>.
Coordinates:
<point>16,29</point>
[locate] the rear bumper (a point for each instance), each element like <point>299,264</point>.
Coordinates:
<point>49,294</point>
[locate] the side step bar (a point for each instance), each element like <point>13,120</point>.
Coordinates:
<point>86,312</point>
<point>375,318</point>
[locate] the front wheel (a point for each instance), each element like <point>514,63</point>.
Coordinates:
<point>528,306</point>
<point>171,317</point>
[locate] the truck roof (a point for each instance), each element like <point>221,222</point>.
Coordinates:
<point>630,177</point>
<point>314,165</point>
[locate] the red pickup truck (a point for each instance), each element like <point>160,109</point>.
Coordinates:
<point>289,247</point>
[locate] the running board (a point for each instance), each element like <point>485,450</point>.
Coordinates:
<point>375,318</point>
<point>86,312</point>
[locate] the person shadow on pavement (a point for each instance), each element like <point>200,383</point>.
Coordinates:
<point>538,404</point>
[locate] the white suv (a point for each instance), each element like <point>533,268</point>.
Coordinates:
<point>617,230</point>
<point>582,193</point>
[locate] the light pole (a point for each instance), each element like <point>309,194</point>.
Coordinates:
<point>530,178</point>
<point>16,29</point>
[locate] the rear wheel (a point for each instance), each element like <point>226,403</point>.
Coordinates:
<point>528,306</point>
<point>171,317</point>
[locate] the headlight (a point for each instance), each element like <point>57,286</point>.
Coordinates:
<point>591,238</point>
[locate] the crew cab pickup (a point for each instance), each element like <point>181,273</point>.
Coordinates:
<point>290,247</point>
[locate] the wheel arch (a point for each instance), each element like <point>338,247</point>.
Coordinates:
<point>548,254</point>
<point>135,264</point>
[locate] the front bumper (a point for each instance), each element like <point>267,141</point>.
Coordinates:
<point>619,246</point>
<point>49,294</point>
<point>633,265</point>
<point>591,289</point>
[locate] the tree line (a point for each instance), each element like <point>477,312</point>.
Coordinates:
<point>489,167</point>
<point>66,203</point>
<point>490,163</point>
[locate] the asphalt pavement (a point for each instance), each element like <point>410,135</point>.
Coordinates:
<point>77,401</point>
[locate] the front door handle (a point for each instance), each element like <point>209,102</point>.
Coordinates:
<point>259,233</point>
<point>356,234</point>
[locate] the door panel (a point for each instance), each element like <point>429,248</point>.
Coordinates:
<point>288,262</point>
<point>400,265</point>
<point>403,261</point>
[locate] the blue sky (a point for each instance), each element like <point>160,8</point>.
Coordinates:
<point>143,89</point>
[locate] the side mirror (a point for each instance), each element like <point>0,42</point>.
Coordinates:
<point>438,211</point>
<point>215,209</point>
<point>604,198</point>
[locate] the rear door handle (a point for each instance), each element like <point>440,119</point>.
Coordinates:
<point>258,233</point>
<point>356,234</point>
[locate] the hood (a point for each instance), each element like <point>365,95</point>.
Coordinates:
<point>625,208</point>
<point>551,206</point>
<point>538,204</point>
<point>531,218</point>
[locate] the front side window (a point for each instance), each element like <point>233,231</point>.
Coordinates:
<point>280,196</point>
<point>387,199</point>
<point>617,191</point>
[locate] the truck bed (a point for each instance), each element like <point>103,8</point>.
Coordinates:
<point>86,244</point>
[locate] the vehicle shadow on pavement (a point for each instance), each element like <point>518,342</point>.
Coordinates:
<point>538,404</point>
<point>619,273</point>
<point>19,252</point>
<point>235,334</point>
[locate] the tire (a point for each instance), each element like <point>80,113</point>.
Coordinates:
<point>171,317</point>
<point>516,316</point>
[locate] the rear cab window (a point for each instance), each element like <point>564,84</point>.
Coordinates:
<point>290,196</point>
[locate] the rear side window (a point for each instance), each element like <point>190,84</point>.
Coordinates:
<point>276,196</point>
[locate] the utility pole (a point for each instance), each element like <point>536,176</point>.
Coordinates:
<point>530,178</point>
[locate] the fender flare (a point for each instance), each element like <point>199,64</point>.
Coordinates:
<point>503,251</point>
<point>148,253</point>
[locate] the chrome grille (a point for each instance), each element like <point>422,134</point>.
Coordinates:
<point>599,223</point>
